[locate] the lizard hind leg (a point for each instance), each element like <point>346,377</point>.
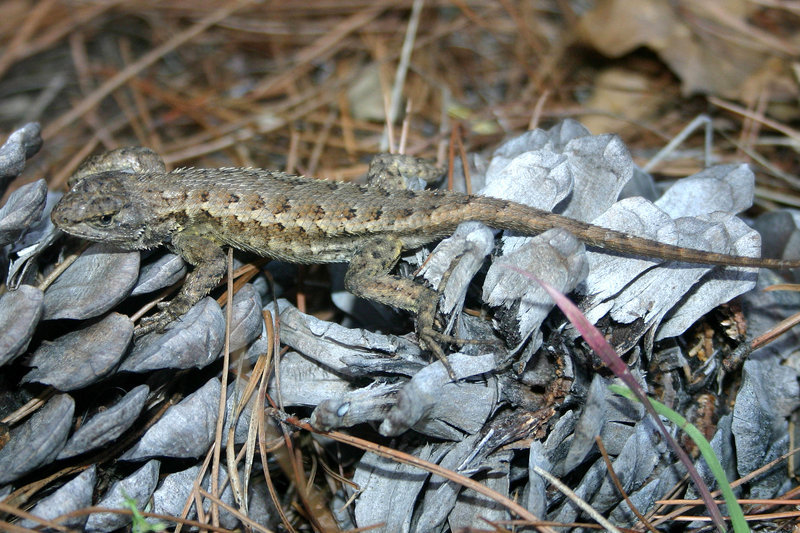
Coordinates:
<point>400,171</point>
<point>368,277</point>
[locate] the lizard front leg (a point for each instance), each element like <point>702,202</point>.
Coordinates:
<point>208,261</point>
<point>368,277</point>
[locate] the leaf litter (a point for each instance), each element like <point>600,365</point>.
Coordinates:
<point>529,396</point>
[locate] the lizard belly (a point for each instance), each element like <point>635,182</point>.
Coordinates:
<point>306,251</point>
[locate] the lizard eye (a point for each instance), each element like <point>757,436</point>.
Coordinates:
<point>105,220</point>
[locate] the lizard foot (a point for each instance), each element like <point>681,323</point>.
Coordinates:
<point>433,340</point>
<point>159,321</point>
<point>149,324</point>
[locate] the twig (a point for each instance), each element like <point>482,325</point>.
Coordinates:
<point>145,61</point>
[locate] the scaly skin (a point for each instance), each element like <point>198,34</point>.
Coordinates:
<point>126,198</point>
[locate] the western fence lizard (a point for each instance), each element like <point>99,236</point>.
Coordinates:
<point>126,198</point>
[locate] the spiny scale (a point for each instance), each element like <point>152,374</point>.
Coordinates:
<point>126,198</point>
<point>307,210</point>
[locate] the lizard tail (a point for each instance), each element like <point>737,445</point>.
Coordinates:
<point>502,214</point>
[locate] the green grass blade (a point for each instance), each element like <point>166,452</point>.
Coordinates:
<point>735,511</point>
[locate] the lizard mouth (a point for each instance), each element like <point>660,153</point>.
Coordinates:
<point>58,217</point>
<point>80,230</point>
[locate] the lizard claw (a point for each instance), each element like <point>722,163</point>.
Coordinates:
<point>157,322</point>
<point>167,313</point>
<point>432,340</point>
<point>147,325</point>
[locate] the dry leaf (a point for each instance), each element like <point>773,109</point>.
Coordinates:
<point>711,46</point>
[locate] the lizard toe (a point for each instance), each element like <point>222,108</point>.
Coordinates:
<point>432,340</point>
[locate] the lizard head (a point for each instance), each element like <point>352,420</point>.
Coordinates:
<point>101,208</point>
